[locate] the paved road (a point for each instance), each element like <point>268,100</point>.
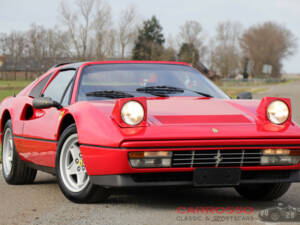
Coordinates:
<point>289,90</point>
<point>43,203</point>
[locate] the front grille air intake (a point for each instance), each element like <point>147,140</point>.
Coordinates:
<point>217,158</point>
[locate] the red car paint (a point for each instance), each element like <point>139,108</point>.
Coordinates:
<point>171,123</point>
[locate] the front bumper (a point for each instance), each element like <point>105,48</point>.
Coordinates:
<point>102,160</point>
<point>186,179</point>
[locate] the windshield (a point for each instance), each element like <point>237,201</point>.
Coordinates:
<point>101,81</point>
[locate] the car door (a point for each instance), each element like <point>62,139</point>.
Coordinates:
<point>40,129</point>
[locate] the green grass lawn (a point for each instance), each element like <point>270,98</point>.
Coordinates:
<point>234,91</point>
<point>11,87</point>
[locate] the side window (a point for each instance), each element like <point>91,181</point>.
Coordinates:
<point>57,88</point>
<point>36,91</point>
<point>67,94</point>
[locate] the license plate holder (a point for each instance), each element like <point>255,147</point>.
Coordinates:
<point>216,176</point>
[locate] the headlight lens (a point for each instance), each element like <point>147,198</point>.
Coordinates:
<point>278,112</point>
<point>132,113</point>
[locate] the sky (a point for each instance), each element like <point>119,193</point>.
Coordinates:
<point>18,15</point>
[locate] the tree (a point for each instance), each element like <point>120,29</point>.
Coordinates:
<point>149,44</point>
<point>37,45</point>
<point>102,41</point>
<point>191,33</point>
<point>87,27</point>
<point>127,30</point>
<point>225,56</point>
<point>13,46</point>
<point>57,45</point>
<point>189,54</point>
<point>168,54</point>
<point>110,44</point>
<point>268,43</point>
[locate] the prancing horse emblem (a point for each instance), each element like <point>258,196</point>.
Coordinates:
<point>218,158</point>
<point>215,130</point>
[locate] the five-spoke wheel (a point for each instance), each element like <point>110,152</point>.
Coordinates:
<point>72,167</point>
<point>72,176</point>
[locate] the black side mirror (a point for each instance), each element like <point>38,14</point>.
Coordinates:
<point>44,103</point>
<point>245,95</point>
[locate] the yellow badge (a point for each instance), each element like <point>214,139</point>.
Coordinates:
<point>215,130</point>
<point>61,115</point>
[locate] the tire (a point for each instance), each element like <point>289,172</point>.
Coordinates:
<point>263,192</point>
<point>71,174</point>
<point>14,170</point>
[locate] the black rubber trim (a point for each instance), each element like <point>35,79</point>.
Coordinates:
<point>45,169</point>
<point>292,177</point>
<point>127,180</point>
<point>35,139</point>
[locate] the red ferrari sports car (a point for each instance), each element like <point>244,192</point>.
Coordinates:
<point>104,125</point>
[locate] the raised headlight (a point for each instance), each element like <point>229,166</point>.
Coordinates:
<point>132,113</point>
<point>278,112</point>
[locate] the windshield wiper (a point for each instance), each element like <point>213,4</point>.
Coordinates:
<point>200,93</point>
<point>110,94</point>
<point>163,91</point>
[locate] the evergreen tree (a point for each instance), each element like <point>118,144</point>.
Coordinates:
<point>188,53</point>
<point>149,44</point>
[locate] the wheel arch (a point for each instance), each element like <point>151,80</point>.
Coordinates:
<point>5,117</point>
<point>67,120</point>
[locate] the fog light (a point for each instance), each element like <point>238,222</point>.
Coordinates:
<point>277,160</point>
<point>279,157</point>
<point>153,159</point>
<point>276,152</point>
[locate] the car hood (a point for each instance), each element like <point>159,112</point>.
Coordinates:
<point>194,118</point>
<point>193,111</point>
<point>199,111</point>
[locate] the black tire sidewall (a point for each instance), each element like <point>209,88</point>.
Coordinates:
<point>263,192</point>
<point>73,196</point>
<point>10,177</point>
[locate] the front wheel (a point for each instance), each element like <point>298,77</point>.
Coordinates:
<point>71,173</point>
<point>263,192</point>
<point>14,170</point>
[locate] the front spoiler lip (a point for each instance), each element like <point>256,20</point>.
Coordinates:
<point>107,161</point>
<point>126,180</point>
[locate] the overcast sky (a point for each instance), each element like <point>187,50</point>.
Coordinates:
<point>18,15</point>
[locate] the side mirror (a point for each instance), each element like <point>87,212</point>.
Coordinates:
<point>44,103</point>
<point>245,95</point>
